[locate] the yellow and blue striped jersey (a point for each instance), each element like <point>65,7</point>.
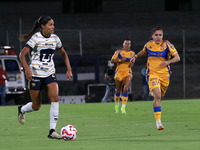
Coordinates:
<point>124,65</point>
<point>157,53</point>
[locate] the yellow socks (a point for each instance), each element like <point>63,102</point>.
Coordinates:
<point>124,99</point>
<point>157,113</point>
<point>117,98</point>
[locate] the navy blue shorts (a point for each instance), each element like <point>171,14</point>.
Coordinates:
<point>37,83</point>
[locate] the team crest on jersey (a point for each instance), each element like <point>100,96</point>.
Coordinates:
<point>162,47</point>
<point>33,84</point>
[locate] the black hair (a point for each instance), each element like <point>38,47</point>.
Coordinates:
<point>127,39</point>
<point>42,20</point>
<point>155,29</point>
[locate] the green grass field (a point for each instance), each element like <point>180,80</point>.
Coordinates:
<point>99,128</point>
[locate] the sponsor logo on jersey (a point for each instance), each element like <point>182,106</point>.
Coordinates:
<point>35,80</point>
<point>43,68</point>
<point>48,44</point>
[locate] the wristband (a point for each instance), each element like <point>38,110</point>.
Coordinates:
<point>135,56</point>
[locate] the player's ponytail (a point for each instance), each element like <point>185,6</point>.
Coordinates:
<point>42,20</point>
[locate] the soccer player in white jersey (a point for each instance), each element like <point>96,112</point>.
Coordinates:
<point>41,70</point>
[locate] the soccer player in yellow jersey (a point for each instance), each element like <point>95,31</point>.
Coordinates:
<point>123,73</point>
<point>158,70</point>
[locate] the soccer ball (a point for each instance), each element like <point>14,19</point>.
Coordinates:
<point>68,132</point>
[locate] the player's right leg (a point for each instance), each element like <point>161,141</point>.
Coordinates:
<point>117,98</point>
<point>31,106</point>
<point>34,90</point>
<point>117,94</point>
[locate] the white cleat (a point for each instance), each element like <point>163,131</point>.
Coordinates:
<point>54,135</point>
<point>21,116</point>
<point>159,125</point>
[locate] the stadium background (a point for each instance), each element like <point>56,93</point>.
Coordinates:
<point>103,25</point>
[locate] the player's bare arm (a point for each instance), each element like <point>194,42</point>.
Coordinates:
<point>175,59</point>
<point>138,55</point>
<point>66,59</point>
<point>22,57</point>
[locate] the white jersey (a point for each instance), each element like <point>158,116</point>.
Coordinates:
<point>42,52</point>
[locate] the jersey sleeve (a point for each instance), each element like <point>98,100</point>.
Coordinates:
<point>115,56</point>
<point>144,48</point>
<point>32,41</point>
<point>172,49</point>
<point>58,43</point>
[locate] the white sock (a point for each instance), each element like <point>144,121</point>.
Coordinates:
<point>27,108</point>
<point>158,121</point>
<point>123,105</point>
<point>54,111</point>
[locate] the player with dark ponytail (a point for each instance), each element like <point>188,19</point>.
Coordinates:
<point>41,71</point>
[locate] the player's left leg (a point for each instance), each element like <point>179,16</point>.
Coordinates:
<point>154,85</point>
<point>157,107</point>
<point>127,81</point>
<point>52,91</point>
<point>54,110</point>
<point>164,83</point>
<point>159,94</point>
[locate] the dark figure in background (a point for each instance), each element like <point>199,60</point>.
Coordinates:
<point>3,77</point>
<point>145,86</point>
<point>110,83</point>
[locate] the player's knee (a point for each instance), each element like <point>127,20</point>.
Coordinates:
<point>54,98</point>
<point>157,97</point>
<point>118,91</point>
<point>125,90</point>
<point>36,107</point>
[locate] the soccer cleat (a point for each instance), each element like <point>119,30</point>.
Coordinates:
<point>123,110</point>
<point>159,125</point>
<point>53,135</point>
<point>116,108</point>
<point>21,116</point>
<point>151,93</point>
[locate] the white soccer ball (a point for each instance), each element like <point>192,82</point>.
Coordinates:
<point>68,132</point>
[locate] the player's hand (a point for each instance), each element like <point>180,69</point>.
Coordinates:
<point>123,59</point>
<point>132,60</point>
<point>29,74</point>
<point>69,75</point>
<point>164,64</point>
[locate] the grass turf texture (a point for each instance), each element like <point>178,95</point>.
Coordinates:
<point>99,128</point>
